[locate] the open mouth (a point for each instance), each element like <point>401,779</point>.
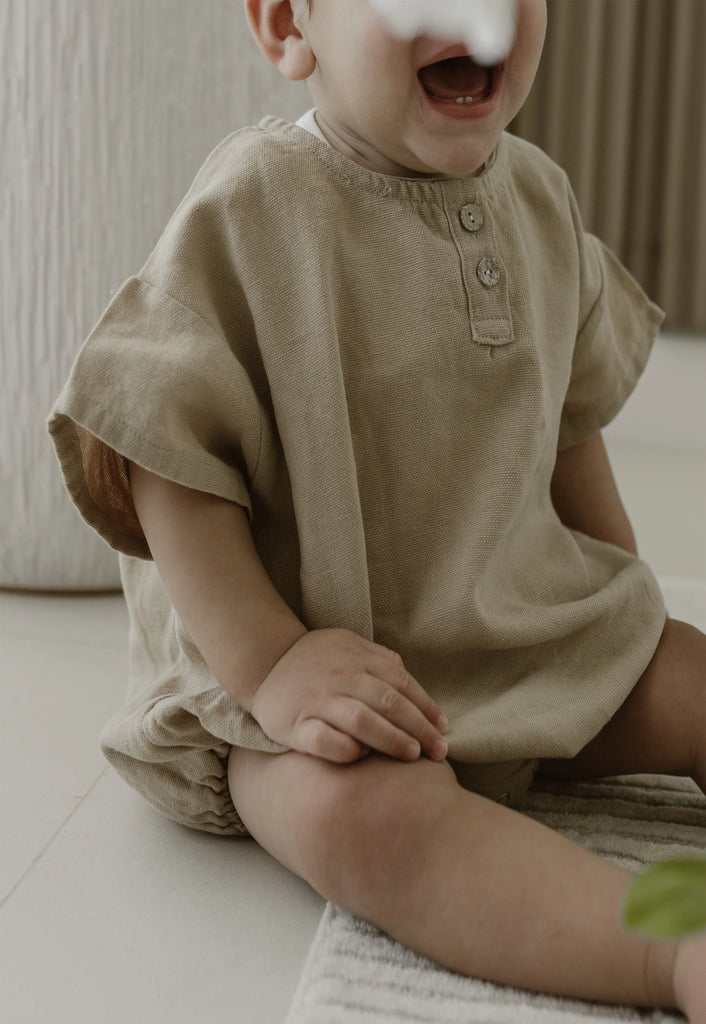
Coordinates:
<point>458,80</point>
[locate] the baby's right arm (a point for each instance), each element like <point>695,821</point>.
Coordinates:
<point>328,693</point>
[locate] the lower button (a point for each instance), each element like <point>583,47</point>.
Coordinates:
<point>488,272</point>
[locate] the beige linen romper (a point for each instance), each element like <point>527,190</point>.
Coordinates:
<point>380,371</point>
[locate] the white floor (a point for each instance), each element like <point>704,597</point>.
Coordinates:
<point>111,914</point>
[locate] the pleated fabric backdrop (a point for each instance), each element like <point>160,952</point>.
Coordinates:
<point>107,110</point>
<point>620,103</point>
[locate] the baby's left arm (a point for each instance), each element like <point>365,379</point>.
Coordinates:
<point>586,497</point>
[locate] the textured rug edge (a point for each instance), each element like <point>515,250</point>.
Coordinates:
<point>355,974</point>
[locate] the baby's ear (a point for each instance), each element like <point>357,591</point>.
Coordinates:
<point>275,26</point>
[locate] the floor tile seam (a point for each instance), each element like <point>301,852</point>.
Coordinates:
<point>675,579</point>
<point>619,441</point>
<point>113,645</point>
<point>55,835</point>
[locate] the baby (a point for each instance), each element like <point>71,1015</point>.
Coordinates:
<point>345,429</point>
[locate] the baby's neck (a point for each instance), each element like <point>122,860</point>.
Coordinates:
<point>309,122</point>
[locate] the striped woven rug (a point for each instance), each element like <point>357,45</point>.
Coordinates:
<point>355,974</point>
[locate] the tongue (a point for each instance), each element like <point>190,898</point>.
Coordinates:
<point>459,76</point>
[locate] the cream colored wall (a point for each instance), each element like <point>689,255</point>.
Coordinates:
<point>107,110</point>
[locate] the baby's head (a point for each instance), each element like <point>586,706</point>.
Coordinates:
<point>398,105</point>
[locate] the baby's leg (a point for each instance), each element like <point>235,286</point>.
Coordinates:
<point>661,727</point>
<point>472,885</point>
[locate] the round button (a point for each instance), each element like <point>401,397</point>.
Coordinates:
<point>472,217</point>
<point>488,272</point>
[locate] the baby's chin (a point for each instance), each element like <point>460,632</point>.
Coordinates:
<point>407,163</point>
<point>416,154</point>
<point>449,158</point>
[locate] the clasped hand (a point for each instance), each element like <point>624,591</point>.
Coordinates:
<point>337,696</point>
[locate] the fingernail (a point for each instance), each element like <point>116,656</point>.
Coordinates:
<point>413,751</point>
<point>441,749</point>
<point>443,723</point>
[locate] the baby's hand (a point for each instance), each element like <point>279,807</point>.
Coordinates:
<point>335,695</point>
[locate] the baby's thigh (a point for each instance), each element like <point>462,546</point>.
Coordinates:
<point>667,709</point>
<point>661,727</point>
<point>324,820</point>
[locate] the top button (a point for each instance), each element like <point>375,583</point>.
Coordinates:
<point>472,217</point>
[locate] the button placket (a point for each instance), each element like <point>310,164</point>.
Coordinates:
<point>484,275</point>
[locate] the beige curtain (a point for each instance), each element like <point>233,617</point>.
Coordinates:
<point>107,111</point>
<point>620,103</point>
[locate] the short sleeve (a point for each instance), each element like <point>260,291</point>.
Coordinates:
<point>158,385</point>
<point>618,328</point>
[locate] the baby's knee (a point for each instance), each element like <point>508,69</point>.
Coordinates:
<point>338,826</point>
<point>366,822</point>
<point>680,659</point>
<point>675,682</point>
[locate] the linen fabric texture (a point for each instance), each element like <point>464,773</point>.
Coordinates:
<point>380,370</point>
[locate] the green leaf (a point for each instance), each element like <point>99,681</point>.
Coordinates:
<point>667,901</point>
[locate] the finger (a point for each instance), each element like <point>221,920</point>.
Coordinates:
<point>398,709</point>
<point>320,739</point>
<point>396,675</point>
<point>394,706</point>
<point>360,721</point>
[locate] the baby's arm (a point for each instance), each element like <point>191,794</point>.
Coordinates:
<point>586,497</point>
<point>329,693</point>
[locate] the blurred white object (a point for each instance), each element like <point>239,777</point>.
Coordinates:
<point>487,27</point>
